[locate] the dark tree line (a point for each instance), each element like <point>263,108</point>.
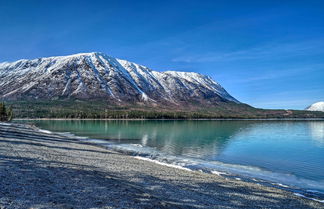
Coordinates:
<point>6,114</point>
<point>100,110</point>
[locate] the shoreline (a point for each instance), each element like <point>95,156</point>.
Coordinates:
<point>163,186</point>
<point>201,119</point>
<point>226,170</point>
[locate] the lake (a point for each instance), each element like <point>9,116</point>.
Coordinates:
<point>286,152</point>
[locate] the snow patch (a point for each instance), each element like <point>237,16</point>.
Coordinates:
<point>161,163</point>
<point>318,106</point>
<point>310,198</point>
<point>44,131</point>
<point>218,173</point>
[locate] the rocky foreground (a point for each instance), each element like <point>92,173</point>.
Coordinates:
<point>45,170</point>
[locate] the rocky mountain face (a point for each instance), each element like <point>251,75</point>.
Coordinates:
<point>318,106</point>
<point>98,76</point>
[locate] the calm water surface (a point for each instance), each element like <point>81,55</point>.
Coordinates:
<point>292,150</point>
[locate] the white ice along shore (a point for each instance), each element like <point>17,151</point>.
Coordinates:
<point>97,75</point>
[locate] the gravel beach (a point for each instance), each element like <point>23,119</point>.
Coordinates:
<point>48,170</point>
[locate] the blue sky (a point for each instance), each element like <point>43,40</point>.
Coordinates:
<point>269,54</point>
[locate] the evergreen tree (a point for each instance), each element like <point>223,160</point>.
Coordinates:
<point>3,112</point>
<point>10,114</point>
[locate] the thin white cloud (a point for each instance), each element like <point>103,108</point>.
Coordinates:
<point>269,51</point>
<point>284,104</point>
<point>281,73</point>
<point>292,99</point>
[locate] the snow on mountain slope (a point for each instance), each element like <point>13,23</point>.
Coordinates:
<point>98,76</point>
<point>318,106</point>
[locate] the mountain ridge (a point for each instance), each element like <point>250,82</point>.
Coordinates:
<point>97,75</point>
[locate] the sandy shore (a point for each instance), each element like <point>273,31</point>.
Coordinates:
<point>44,170</point>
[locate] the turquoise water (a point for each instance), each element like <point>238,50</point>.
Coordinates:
<point>288,152</point>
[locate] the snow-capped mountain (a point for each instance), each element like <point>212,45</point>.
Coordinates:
<point>318,106</point>
<point>98,76</point>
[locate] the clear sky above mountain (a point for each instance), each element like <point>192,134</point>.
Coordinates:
<point>269,54</point>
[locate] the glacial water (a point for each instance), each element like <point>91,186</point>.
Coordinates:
<point>286,152</point>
